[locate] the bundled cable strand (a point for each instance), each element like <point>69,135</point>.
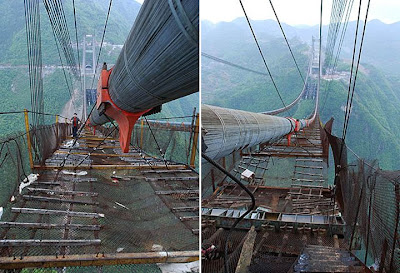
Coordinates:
<point>159,61</point>
<point>143,76</point>
<point>58,22</point>
<point>77,47</point>
<point>58,45</point>
<point>101,47</point>
<point>337,12</point>
<point>32,25</point>
<point>332,68</point>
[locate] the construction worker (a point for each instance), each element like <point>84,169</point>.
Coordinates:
<point>75,122</point>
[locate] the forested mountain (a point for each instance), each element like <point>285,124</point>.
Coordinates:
<point>372,130</point>
<point>91,15</point>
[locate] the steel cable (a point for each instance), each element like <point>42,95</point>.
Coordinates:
<point>232,64</point>
<point>358,64</point>
<point>237,221</point>
<point>287,42</point>
<point>262,55</point>
<point>77,47</point>
<point>101,44</point>
<point>333,67</point>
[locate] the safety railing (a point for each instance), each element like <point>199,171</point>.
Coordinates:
<point>22,151</point>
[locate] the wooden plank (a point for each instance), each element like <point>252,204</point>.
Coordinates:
<point>304,202</point>
<point>189,218</point>
<point>295,149</point>
<point>309,159</point>
<point>93,138</point>
<point>300,202</point>
<point>111,167</point>
<point>58,200</point>
<point>171,178</point>
<point>308,180</point>
<point>177,192</point>
<point>100,146</point>
<point>311,207</point>
<point>99,154</point>
<point>308,167</point>
<point>195,231</point>
<point>310,174</point>
<point>46,183</point>
<point>308,186</point>
<point>190,198</point>
<point>252,165</point>
<point>287,154</point>
<point>127,177</point>
<point>167,171</point>
<point>57,212</point>
<point>185,209</point>
<point>6,243</point>
<point>78,179</point>
<point>306,194</point>
<point>48,226</point>
<point>247,252</point>
<point>257,159</point>
<point>306,144</point>
<point>98,260</point>
<point>61,192</point>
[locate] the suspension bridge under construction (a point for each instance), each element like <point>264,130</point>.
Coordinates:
<point>124,195</point>
<point>268,204</point>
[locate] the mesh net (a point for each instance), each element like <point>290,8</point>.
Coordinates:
<point>214,260</point>
<point>14,159</point>
<point>377,195</point>
<point>137,268</point>
<point>14,165</point>
<point>46,138</point>
<point>212,178</point>
<point>174,139</point>
<point>141,212</point>
<point>370,201</point>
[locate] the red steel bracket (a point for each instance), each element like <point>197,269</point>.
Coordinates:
<point>126,120</point>
<point>296,129</point>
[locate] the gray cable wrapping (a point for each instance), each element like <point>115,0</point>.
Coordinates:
<point>159,61</point>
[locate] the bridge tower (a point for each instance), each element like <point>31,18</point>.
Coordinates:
<point>89,69</point>
<point>315,60</point>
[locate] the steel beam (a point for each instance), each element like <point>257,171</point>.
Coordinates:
<point>99,259</point>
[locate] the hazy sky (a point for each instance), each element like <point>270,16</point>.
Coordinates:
<point>293,12</point>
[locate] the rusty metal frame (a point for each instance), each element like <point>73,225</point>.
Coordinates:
<point>99,259</point>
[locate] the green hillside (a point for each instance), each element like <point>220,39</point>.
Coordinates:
<point>372,132</point>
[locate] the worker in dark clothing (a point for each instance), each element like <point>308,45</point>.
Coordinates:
<point>75,122</point>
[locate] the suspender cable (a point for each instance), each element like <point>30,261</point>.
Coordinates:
<point>262,55</point>
<point>101,44</point>
<point>358,64</point>
<point>287,42</point>
<point>77,47</point>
